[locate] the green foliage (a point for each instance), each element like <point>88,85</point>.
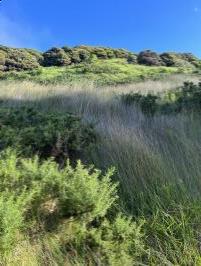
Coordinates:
<point>132,59</point>
<point>188,98</point>
<point>84,55</point>
<point>185,99</point>
<point>174,233</point>
<point>76,199</point>
<point>101,72</point>
<point>19,59</point>
<point>180,60</point>
<point>11,219</point>
<point>2,60</point>
<point>100,53</point>
<point>56,57</point>
<point>115,242</point>
<point>28,59</point>
<point>149,58</point>
<point>77,192</point>
<point>147,103</point>
<point>47,134</point>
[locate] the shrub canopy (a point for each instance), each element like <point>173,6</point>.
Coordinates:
<point>55,135</point>
<point>19,59</point>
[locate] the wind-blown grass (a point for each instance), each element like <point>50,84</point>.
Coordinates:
<point>157,159</point>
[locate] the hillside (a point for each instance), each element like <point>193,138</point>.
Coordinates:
<point>97,64</point>
<point>99,158</point>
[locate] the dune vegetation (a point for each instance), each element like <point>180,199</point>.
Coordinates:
<point>99,157</point>
<point>143,205</point>
<point>103,66</point>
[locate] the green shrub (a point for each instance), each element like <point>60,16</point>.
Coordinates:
<point>77,191</point>
<point>77,200</point>
<point>147,103</point>
<point>114,243</point>
<point>56,57</point>
<point>186,60</point>
<point>185,99</point>
<point>38,55</point>
<point>75,56</point>
<point>84,55</point>
<point>169,59</point>
<point>100,53</point>
<point>110,53</point>
<point>149,58</point>
<point>189,98</point>
<point>121,53</point>
<point>18,59</point>
<point>11,219</point>
<point>52,134</point>
<point>132,58</point>
<point>2,60</point>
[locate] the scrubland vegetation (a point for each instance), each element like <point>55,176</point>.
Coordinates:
<point>103,66</point>
<point>100,160</point>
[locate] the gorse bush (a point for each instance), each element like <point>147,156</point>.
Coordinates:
<point>189,97</point>
<point>185,99</point>
<point>27,59</point>
<point>46,134</point>
<point>83,54</point>
<point>76,201</point>
<point>149,58</point>
<point>19,59</point>
<point>147,103</point>
<point>180,59</point>
<point>56,57</point>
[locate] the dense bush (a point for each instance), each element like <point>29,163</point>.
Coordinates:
<point>186,99</point>
<point>47,134</point>
<point>82,54</point>
<point>149,58</point>
<point>179,60</point>
<point>27,59</point>
<point>169,59</point>
<point>76,201</point>
<point>18,59</point>
<point>147,103</point>
<point>100,53</point>
<point>189,57</point>
<point>2,60</point>
<point>132,58</point>
<point>56,57</point>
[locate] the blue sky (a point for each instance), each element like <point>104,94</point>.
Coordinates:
<point>161,25</point>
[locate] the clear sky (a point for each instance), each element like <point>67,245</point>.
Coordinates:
<point>161,25</point>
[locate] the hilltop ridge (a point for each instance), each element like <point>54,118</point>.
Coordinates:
<point>27,59</point>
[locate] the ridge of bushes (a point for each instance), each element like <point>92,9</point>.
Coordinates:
<point>26,59</point>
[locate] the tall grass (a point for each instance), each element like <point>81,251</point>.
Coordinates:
<point>157,159</point>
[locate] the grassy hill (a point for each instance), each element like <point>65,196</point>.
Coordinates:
<point>99,158</point>
<point>97,64</point>
<point>101,72</point>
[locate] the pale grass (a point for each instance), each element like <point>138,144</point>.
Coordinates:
<point>141,149</point>
<point>151,155</point>
<point>27,90</point>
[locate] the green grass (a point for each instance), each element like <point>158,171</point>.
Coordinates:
<point>157,165</point>
<point>110,71</point>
